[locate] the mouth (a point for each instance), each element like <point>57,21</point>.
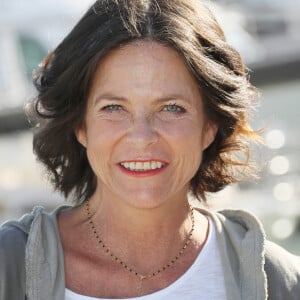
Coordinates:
<point>143,166</point>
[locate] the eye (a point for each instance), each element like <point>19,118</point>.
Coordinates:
<point>174,108</point>
<point>112,107</point>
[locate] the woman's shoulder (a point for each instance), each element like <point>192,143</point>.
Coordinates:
<point>21,243</point>
<point>12,260</point>
<point>283,272</point>
<point>12,242</point>
<point>237,224</point>
<point>14,233</point>
<point>244,237</point>
<point>278,257</point>
<point>15,229</point>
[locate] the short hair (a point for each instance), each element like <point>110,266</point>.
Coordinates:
<point>64,78</point>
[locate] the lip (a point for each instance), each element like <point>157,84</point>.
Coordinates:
<point>143,173</point>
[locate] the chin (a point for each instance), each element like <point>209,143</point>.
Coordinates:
<point>145,200</point>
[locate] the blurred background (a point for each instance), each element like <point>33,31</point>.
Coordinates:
<point>266,32</point>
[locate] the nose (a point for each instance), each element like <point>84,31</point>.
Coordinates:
<point>142,132</point>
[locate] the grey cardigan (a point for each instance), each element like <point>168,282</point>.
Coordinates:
<point>32,262</point>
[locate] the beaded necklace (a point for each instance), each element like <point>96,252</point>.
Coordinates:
<point>130,269</point>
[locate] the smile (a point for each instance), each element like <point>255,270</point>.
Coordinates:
<point>140,166</point>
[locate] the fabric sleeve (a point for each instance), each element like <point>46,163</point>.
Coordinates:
<point>12,263</point>
<point>283,273</point>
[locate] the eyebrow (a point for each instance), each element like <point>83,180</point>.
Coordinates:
<point>108,96</point>
<point>173,97</point>
<point>112,97</point>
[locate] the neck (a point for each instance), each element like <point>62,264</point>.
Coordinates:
<point>117,216</point>
<point>135,233</point>
<point>142,276</point>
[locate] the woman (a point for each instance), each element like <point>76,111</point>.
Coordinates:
<point>143,103</point>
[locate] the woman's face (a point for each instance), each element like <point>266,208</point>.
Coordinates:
<point>145,129</point>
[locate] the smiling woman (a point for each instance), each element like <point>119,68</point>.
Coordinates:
<point>141,104</point>
<point>152,118</point>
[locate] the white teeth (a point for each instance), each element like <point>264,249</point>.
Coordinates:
<point>126,165</point>
<point>153,165</point>
<point>139,165</point>
<point>147,165</point>
<point>156,165</point>
<point>132,166</point>
<point>142,166</point>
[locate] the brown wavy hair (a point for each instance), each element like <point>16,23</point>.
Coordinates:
<point>63,82</point>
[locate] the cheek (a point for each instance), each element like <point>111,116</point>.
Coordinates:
<point>97,147</point>
<point>103,134</point>
<point>184,133</point>
<point>96,158</point>
<point>187,146</point>
<point>102,140</point>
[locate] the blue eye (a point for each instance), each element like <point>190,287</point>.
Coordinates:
<point>174,108</point>
<point>112,107</point>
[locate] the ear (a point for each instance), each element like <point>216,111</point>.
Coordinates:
<point>80,134</point>
<point>209,134</point>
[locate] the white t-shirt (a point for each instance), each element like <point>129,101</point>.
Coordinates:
<point>203,280</point>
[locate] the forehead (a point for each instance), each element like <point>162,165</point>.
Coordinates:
<point>142,50</point>
<point>147,66</point>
